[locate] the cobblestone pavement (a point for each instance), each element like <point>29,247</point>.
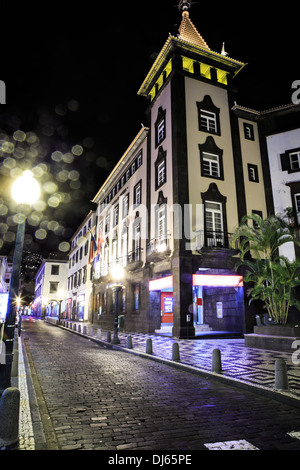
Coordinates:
<point>242,364</point>
<point>90,397</point>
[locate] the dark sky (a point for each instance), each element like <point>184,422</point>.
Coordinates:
<point>72,71</point>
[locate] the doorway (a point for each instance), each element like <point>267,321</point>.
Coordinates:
<point>166,302</point>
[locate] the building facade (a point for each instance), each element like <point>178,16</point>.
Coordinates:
<point>79,287</point>
<point>51,288</point>
<point>168,210</point>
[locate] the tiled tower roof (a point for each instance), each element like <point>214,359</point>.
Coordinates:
<point>188,31</point>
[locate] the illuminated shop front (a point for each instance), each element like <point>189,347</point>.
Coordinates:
<point>217,302</point>
<point>161,295</point>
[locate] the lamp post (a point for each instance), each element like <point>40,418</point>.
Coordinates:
<point>117,273</point>
<point>61,298</point>
<point>25,191</point>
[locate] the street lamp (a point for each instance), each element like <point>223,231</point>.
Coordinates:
<point>117,273</point>
<point>25,191</point>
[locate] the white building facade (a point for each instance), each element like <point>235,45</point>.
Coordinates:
<point>79,285</point>
<point>51,288</point>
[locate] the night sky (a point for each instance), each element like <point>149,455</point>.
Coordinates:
<point>72,71</point>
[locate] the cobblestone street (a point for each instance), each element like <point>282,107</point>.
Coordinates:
<point>89,397</point>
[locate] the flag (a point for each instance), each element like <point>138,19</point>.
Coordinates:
<point>93,248</point>
<point>100,241</point>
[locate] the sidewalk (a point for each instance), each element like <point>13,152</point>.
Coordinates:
<point>242,366</point>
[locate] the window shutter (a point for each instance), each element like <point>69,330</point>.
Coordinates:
<point>285,161</point>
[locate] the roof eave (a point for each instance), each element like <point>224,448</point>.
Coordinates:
<point>231,64</point>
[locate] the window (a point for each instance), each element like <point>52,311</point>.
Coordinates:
<point>161,225</point>
<point>137,196</point>
<point>136,242</point>
<point>215,219</point>
<point>55,269</point>
<point>297,205</point>
<point>253,173</point>
<point>160,168</point>
<point>161,173</point>
<point>161,131</point>
<point>211,160</point>
<point>160,127</point>
<point>116,215</point>
<point>255,225</point>
<point>53,287</point>
<point>214,224</point>
<point>248,131</point>
<point>124,251</point>
<point>136,297</point>
<point>107,223</point>
<point>139,160</point>
<point>295,160</point>
<point>210,165</point>
<point>125,205</point>
<point>209,116</point>
<point>114,249</point>
<point>290,160</point>
<point>208,121</point>
<point>84,278</point>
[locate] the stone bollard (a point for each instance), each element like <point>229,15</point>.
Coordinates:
<point>149,349</point>
<point>91,331</point>
<point>216,361</point>
<point>74,327</point>
<point>15,362</point>
<point>84,330</point>
<point>67,324</point>
<point>281,378</point>
<point>79,328</point>
<point>175,352</point>
<point>129,342</point>
<point>108,337</point>
<point>99,333</point>
<point>9,416</point>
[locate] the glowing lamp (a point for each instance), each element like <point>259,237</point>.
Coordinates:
<point>26,190</point>
<point>117,272</point>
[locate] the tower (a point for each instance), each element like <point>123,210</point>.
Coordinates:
<point>192,170</point>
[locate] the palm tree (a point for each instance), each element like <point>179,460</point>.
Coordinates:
<point>273,277</point>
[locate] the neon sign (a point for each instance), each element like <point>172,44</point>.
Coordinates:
<point>161,283</point>
<point>217,280</point>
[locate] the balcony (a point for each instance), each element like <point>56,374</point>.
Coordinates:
<point>209,239</point>
<point>158,248</point>
<point>134,259</point>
